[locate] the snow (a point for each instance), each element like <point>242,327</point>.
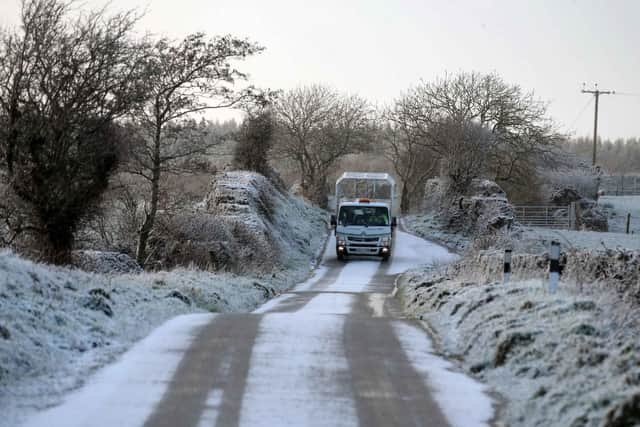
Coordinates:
<point>330,303</point>
<point>464,401</point>
<point>620,207</point>
<point>411,251</point>
<point>134,384</point>
<point>266,225</point>
<point>537,240</point>
<point>376,303</point>
<point>297,336</point>
<point>212,404</point>
<point>355,276</point>
<point>630,204</point>
<point>568,358</point>
<point>427,226</point>
<point>105,262</point>
<point>274,302</point>
<point>64,324</point>
<point>302,353</point>
<point>60,332</point>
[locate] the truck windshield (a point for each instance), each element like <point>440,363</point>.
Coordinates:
<point>364,215</point>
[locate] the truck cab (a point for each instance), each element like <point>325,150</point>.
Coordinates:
<point>364,226</point>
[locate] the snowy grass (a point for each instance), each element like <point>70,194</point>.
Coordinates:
<point>620,207</point>
<point>58,325</point>
<point>536,240</point>
<point>134,391</point>
<point>448,385</point>
<point>564,359</point>
<point>629,204</point>
<point>426,226</point>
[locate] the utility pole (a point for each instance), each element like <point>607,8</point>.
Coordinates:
<point>596,92</point>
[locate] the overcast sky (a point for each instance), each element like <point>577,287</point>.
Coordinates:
<point>380,48</point>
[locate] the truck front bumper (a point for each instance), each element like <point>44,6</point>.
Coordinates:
<point>363,250</point>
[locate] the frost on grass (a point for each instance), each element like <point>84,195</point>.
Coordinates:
<point>428,227</point>
<point>565,359</point>
<point>617,208</point>
<point>245,224</point>
<point>105,262</point>
<point>457,220</point>
<point>58,325</point>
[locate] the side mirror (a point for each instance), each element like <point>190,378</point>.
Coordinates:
<point>333,221</point>
<point>394,222</point>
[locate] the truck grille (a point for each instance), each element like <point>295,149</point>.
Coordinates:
<point>363,239</point>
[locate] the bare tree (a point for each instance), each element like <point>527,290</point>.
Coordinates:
<point>413,161</point>
<point>186,77</point>
<point>519,130</point>
<point>316,127</point>
<point>63,84</point>
<point>467,154</point>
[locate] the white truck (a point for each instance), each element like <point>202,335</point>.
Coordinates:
<point>363,220</point>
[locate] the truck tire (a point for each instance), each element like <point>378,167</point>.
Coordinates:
<point>341,257</point>
<point>385,258</point>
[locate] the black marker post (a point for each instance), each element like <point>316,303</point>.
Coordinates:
<point>507,266</point>
<point>554,267</point>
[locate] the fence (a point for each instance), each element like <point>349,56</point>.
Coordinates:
<point>620,185</point>
<point>620,221</point>
<point>588,185</point>
<point>562,217</point>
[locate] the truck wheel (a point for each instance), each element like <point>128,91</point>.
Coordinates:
<point>341,257</point>
<point>385,258</point>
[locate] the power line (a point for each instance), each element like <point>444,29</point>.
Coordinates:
<point>628,94</point>
<point>582,110</point>
<point>596,93</point>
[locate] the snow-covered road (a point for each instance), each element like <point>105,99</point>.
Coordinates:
<point>334,351</point>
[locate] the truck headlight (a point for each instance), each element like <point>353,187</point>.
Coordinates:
<point>385,241</point>
<point>341,240</point>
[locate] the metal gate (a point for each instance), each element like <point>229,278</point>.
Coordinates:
<point>545,216</point>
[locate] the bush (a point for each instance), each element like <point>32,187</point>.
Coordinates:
<point>191,239</point>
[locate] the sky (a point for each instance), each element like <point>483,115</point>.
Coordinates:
<point>379,49</point>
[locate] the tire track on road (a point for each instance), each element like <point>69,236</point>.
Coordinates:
<point>218,360</point>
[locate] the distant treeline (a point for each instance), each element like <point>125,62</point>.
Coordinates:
<point>620,156</point>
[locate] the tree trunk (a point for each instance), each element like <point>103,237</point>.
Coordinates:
<point>150,217</point>
<point>405,202</point>
<point>321,196</point>
<point>314,189</point>
<point>58,244</point>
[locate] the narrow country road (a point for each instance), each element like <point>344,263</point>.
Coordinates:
<point>335,351</point>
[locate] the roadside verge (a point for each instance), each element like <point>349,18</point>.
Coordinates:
<point>571,358</point>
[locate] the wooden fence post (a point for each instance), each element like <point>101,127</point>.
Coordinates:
<point>628,222</point>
